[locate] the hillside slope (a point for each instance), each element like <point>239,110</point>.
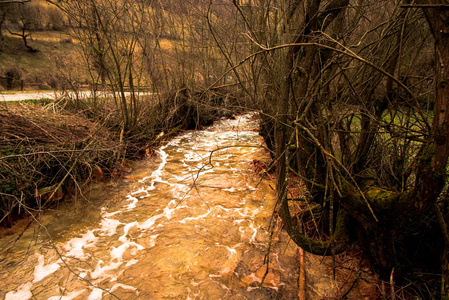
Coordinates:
<point>56,63</point>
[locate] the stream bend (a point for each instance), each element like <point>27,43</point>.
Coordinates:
<point>179,228</point>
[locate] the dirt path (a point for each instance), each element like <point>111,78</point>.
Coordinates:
<point>22,96</point>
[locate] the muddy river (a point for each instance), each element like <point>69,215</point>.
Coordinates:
<point>190,224</point>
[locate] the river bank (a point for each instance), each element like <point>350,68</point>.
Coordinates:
<point>175,226</point>
<point>184,226</point>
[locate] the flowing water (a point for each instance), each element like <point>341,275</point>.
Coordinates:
<point>191,224</point>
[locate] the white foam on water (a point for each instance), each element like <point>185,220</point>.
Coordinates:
<point>279,264</point>
<point>167,213</point>
<point>150,222</point>
<point>131,262</point>
<point>255,278</point>
<point>232,251</point>
<point>101,272</point>
<point>156,175</point>
<point>153,240</point>
<point>133,203</point>
<point>96,294</point>
<point>117,252</point>
<point>183,221</point>
<point>41,270</point>
<point>251,188</point>
<point>247,212</point>
<point>253,237</point>
<point>23,292</point>
<point>76,245</point>
<point>109,226</point>
<point>244,231</point>
<point>205,171</point>
<point>105,214</point>
<point>182,178</point>
<point>126,229</point>
<point>123,286</point>
<point>220,207</point>
<point>159,181</point>
<point>70,296</point>
<point>180,191</point>
<point>141,191</point>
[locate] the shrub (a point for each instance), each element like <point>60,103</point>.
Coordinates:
<point>13,76</point>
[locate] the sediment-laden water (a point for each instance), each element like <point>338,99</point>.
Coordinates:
<point>192,224</point>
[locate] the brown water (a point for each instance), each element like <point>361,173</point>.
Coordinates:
<point>176,228</point>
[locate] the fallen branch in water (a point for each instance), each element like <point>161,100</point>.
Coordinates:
<point>302,275</point>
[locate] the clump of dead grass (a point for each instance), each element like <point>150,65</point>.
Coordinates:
<point>44,153</point>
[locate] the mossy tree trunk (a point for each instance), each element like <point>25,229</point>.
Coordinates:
<point>307,62</point>
<point>433,176</point>
<point>344,86</point>
<point>377,211</point>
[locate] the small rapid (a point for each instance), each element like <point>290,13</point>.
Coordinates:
<point>191,224</point>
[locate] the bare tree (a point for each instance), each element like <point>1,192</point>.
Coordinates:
<point>24,16</point>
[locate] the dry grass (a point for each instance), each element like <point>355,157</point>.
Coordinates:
<point>45,154</point>
<point>38,125</point>
<point>47,36</point>
<point>50,67</point>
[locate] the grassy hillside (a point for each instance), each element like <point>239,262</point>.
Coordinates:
<point>55,64</point>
